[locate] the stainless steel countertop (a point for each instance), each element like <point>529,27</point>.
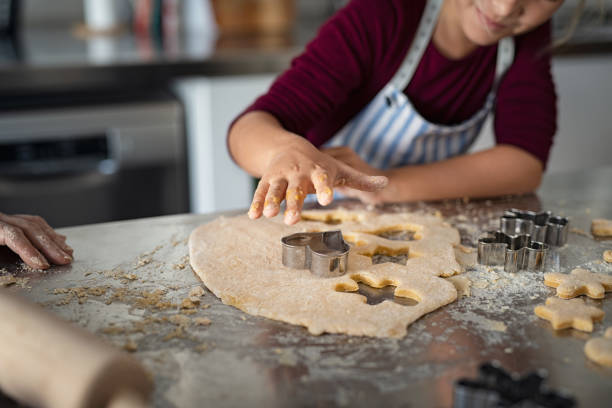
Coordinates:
<point>241,360</point>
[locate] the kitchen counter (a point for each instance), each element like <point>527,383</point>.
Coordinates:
<point>55,60</point>
<point>129,277</point>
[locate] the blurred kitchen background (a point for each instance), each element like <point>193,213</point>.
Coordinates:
<point>118,109</point>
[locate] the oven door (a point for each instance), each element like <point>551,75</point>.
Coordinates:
<point>95,164</point>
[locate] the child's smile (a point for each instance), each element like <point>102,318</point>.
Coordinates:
<point>485,22</point>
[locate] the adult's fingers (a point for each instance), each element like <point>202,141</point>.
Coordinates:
<point>275,196</point>
<point>322,186</point>
<point>14,238</point>
<point>349,177</point>
<point>39,239</point>
<point>58,238</point>
<point>296,192</point>
<point>258,200</point>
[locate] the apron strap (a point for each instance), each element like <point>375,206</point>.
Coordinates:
<point>419,44</point>
<point>505,58</point>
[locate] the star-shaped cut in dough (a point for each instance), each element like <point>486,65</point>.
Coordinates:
<point>599,349</point>
<point>579,282</point>
<point>563,314</point>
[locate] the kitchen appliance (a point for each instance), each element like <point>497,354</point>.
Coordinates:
<point>94,163</point>
<point>9,11</point>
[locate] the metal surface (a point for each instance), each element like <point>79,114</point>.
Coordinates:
<point>242,360</point>
<point>324,253</point>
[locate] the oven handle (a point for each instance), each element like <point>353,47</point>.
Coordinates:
<point>67,183</point>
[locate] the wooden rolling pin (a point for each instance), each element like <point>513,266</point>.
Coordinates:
<point>46,362</point>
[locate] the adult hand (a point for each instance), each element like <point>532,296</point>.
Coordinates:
<point>349,157</point>
<point>300,169</point>
<point>30,237</point>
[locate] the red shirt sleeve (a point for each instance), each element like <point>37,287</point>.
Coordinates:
<point>526,110</point>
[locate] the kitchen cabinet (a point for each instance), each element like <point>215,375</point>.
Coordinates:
<point>211,103</point>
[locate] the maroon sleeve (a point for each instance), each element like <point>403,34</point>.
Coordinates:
<point>335,63</point>
<point>526,111</point>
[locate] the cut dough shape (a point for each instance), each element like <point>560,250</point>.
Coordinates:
<point>601,228</point>
<point>462,284</point>
<point>239,260</point>
<point>607,255</point>
<point>599,349</point>
<point>563,314</point>
<point>579,282</point>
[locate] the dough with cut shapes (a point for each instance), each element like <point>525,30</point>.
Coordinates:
<point>601,227</point>
<point>607,255</point>
<point>239,260</point>
<point>599,349</point>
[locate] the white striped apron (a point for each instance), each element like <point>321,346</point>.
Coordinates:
<point>389,132</point>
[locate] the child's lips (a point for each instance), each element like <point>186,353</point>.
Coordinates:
<point>490,23</point>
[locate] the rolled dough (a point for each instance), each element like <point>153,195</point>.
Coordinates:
<point>239,260</point>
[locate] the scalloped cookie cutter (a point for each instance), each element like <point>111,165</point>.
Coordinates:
<point>515,252</point>
<point>324,253</point>
<point>542,227</point>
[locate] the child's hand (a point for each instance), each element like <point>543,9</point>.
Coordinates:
<point>31,238</point>
<point>350,157</point>
<point>301,169</point>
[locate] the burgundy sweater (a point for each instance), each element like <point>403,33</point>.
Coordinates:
<point>358,51</point>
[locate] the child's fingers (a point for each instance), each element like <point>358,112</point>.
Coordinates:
<point>258,200</point>
<point>275,195</point>
<point>295,201</point>
<point>349,177</point>
<point>322,186</point>
<point>14,238</point>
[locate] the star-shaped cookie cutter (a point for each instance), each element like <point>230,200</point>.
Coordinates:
<point>515,252</point>
<point>324,253</point>
<point>542,227</point>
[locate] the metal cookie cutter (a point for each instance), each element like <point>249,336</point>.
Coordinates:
<point>543,227</point>
<point>324,253</point>
<point>515,252</point>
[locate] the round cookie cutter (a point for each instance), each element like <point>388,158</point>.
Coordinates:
<point>325,254</point>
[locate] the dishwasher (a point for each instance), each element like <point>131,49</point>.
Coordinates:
<point>95,163</point>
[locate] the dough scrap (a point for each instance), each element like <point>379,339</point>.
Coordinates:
<point>579,282</point>
<point>607,255</point>
<point>462,284</point>
<point>563,314</point>
<point>601,228</point>
<point>239,260</point>
<point>599,349</point>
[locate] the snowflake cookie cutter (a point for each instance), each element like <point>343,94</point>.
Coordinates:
<point>514,252</point>
<point>542,227</point>
<point>324,253</point>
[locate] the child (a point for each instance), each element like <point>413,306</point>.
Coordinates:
<point>34,241</point>
<point>384,103</point>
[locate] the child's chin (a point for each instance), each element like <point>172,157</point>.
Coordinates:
<point>483,38</point>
